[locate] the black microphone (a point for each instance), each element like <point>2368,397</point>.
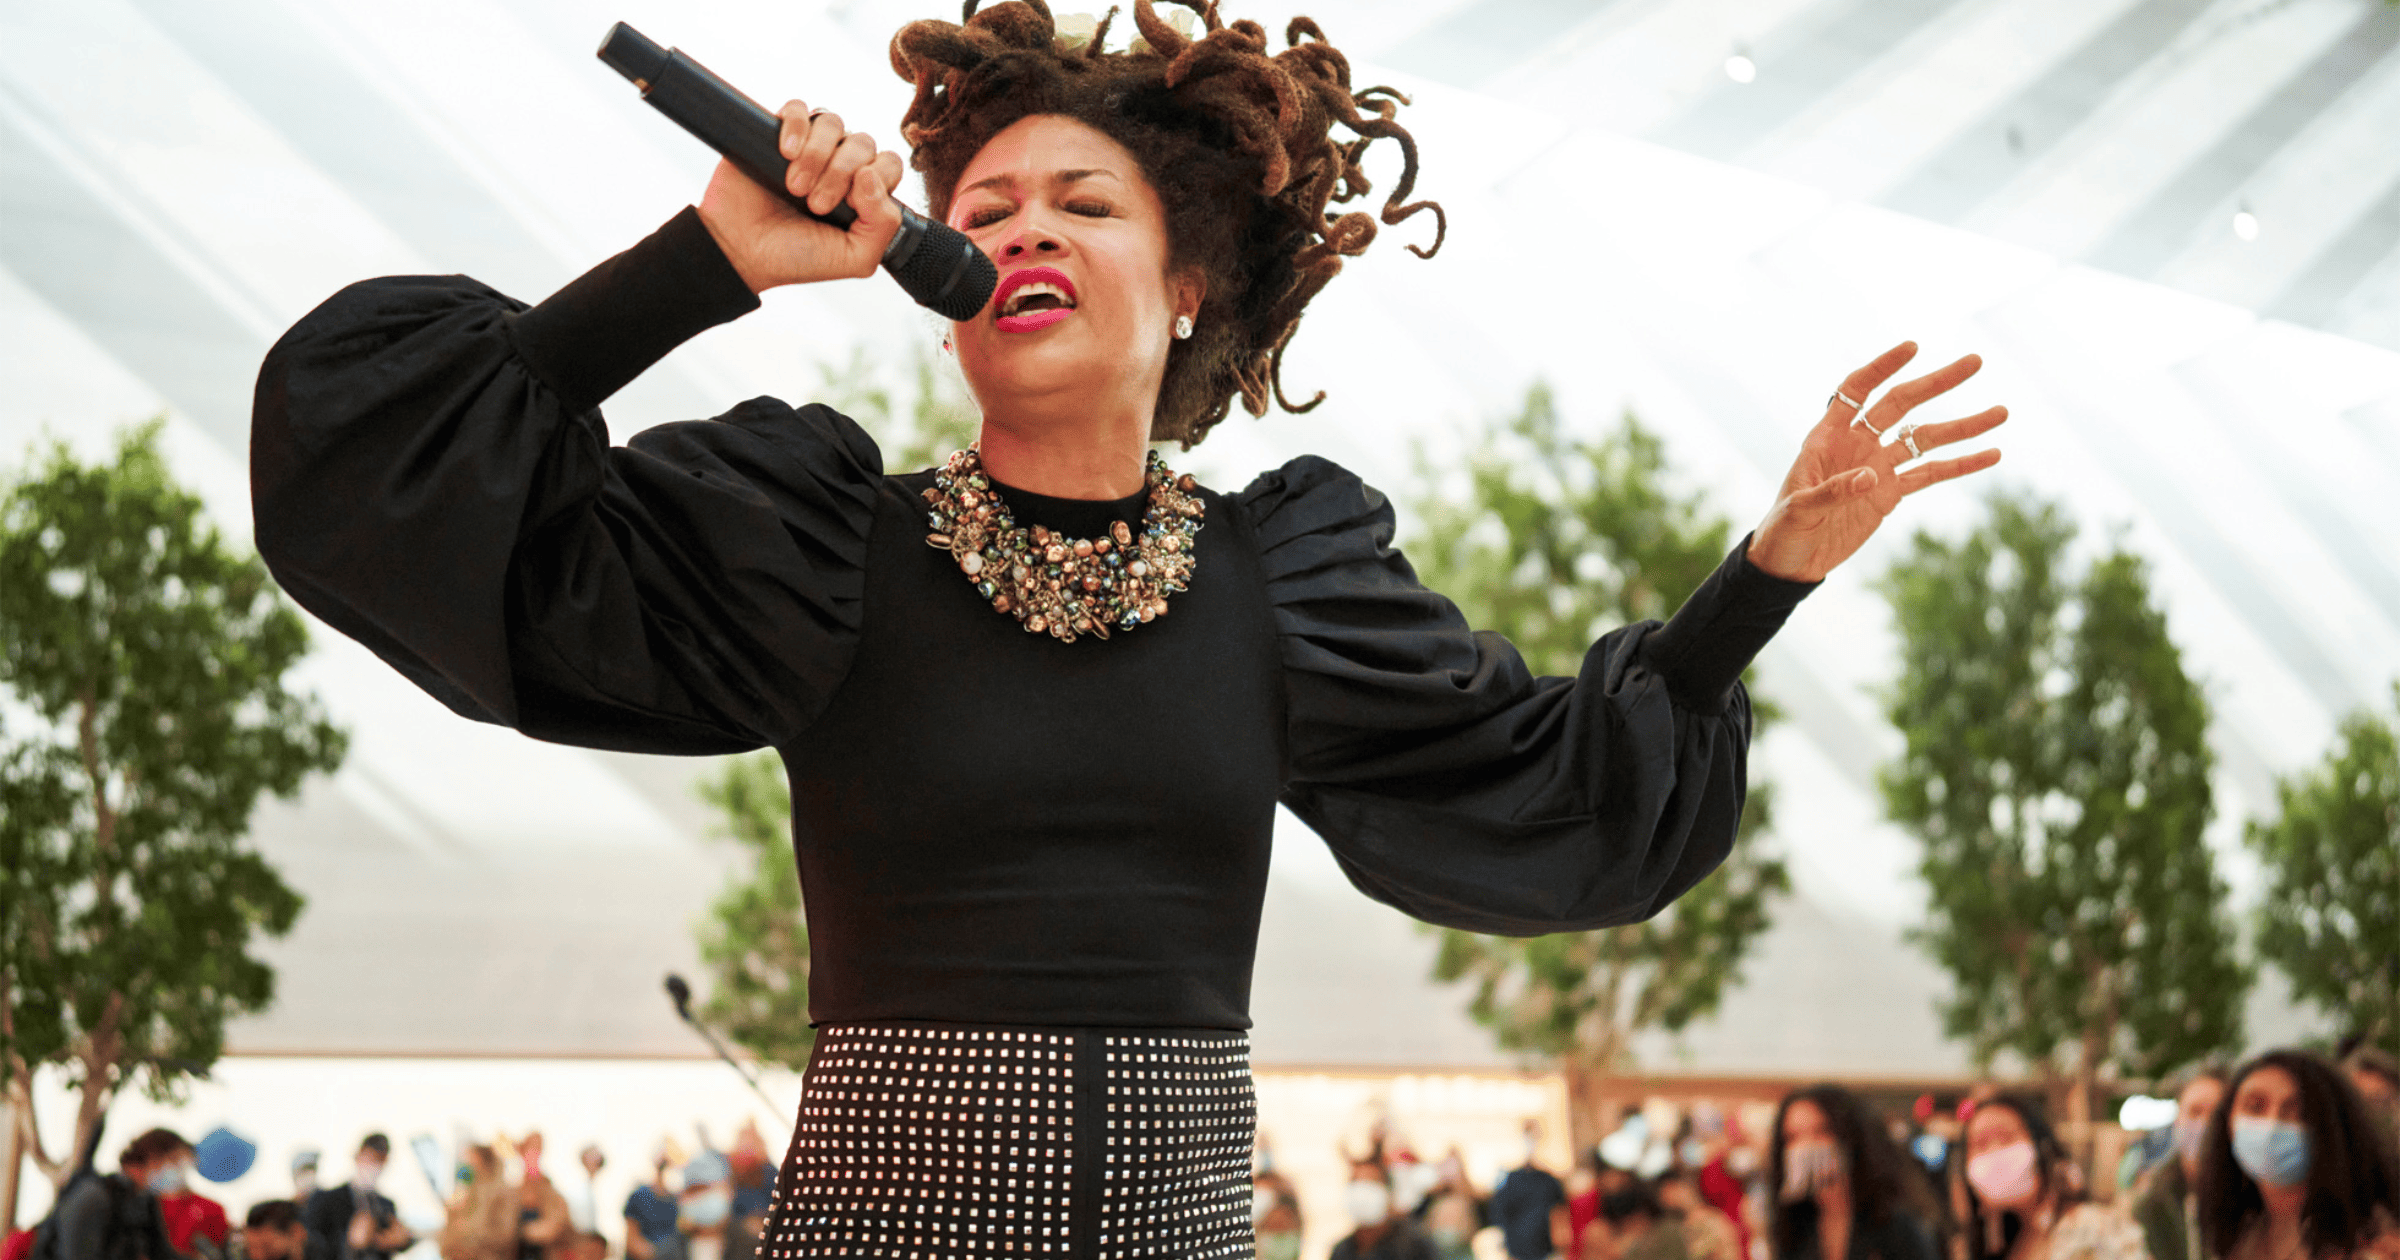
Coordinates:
<point>934,262</point>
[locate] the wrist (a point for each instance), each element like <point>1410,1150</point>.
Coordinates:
<point>737,258</point>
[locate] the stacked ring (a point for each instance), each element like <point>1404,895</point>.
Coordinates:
<point>1908,438</point>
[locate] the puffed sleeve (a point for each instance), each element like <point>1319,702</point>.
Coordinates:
<point>431,475</point>
<point>1454,785</point>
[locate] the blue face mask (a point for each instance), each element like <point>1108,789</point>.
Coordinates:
<point>2272,1152</point>
<point>708,1209</point>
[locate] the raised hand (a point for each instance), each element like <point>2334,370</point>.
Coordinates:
<point>771,244</point>
<point>1850,474</point>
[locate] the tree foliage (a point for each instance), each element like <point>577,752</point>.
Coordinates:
<point>918,413</point>
<point>2331,916</point>
<point>143,712</point>
<point>1559,539</point>
<point>756,939</point>
<point>2056,767</point>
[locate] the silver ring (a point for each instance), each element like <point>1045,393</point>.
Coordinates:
<point>1908,438</point>
<point>1840,397</point>
<point>1859,421</point>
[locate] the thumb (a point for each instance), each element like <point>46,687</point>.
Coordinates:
<point>1834,489</point>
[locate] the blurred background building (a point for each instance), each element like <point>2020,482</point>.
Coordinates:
<point>2172,227</point>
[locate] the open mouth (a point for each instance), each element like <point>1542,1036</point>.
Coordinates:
<point>1036,297</point>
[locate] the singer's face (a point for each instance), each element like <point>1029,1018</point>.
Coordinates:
<point>1085,304</point>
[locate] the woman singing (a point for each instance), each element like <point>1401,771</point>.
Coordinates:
<point>1038,704</point>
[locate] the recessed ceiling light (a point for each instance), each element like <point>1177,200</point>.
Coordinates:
<point>1740,68</point>
<point>2245,224</point>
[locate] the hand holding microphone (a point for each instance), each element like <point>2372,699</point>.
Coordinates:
<point>770,243</point>
<point>782,172</point>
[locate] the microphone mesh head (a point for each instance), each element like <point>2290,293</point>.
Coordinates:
<point>946,273</point>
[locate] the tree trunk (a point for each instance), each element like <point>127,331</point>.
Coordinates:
<point>1583,1105</point>
<point>9,1175</point>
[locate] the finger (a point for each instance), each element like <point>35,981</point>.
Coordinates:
<point>878,214</point>
<point>1868,379</point>
<point>1932,436</point>
<point>1908,395</point>
<point>887,165</point>
<point>825,134</point>
<point>849,158</point>
<point>1935,472</point>
<point>794,128</point>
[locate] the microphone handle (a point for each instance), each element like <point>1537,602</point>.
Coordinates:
<point>936,264</point>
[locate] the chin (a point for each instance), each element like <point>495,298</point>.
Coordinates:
<point>1040,363</point>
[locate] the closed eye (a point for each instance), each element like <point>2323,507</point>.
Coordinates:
<point>987,215</point>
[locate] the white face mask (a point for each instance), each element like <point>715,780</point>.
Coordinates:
<point>1370,1203</point>
<point>1261,1203</point>
<point>1809,1167</point>
<point>365,1175</point>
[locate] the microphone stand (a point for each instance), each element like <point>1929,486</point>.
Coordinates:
<point>681,994</point>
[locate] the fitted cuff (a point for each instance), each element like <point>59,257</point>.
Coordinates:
<point>591,338</point>
<point>1702,650</point>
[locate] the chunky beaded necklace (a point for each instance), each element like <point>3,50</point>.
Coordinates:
<point>1066,587</point>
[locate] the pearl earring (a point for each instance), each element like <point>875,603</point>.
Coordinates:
<point>1183,327</point>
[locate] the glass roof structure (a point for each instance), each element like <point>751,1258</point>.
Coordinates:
<point>2171,227</point>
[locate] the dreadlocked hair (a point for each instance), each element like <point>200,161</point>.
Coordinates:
<point>1239,145</point>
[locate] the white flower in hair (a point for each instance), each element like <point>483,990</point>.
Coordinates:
<point>1074,31</point>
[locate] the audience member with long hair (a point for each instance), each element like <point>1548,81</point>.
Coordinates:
<point>2020,1197</point>
<point>1843,1189</point>
<point>2294,1169</point>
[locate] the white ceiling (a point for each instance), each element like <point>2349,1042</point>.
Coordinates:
<point>178,183</point>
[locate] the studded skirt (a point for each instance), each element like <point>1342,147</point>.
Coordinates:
<point>922,1141</point>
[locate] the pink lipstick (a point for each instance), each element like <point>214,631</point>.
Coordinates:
<point>1032,299</point>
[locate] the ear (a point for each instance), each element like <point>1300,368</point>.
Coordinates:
<point>1189,288</point>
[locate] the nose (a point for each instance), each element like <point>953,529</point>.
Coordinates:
<point>1032,243</point>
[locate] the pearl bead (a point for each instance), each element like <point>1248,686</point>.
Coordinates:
<point>1083,547</point>
<point>971,563</point>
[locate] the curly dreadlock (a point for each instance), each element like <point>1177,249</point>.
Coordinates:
<point>1237,143</point>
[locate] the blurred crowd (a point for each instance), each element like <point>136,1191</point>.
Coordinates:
<point>2290,1156</point>
<point>502,1204</point>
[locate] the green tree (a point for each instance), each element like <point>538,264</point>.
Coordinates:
<point>919,412</point>
<point>143,712</point>
<point>2056,769</point>
<point>2331,917</point>
<point>1558,539</point>
<point>755,942</point>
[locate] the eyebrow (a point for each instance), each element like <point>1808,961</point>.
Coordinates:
<point>1063,177</point>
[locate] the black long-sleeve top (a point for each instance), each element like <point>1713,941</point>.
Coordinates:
<point>991,826</point>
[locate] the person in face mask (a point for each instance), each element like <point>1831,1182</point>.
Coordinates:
<point>545,1228</point>
<point>356,1221</point>
<point>1452,1212</point>
<point>1274,1208</point>
<point>1382,1231</point>
<point>196,1224</point>
<point>116,1217</point>
<point>2020,1196</point>
<point>1841,1188</point>
<point>482,1213</point>
<point>2294,1168</point>
<point>2165,1207</point>
<point>704,1213</point>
